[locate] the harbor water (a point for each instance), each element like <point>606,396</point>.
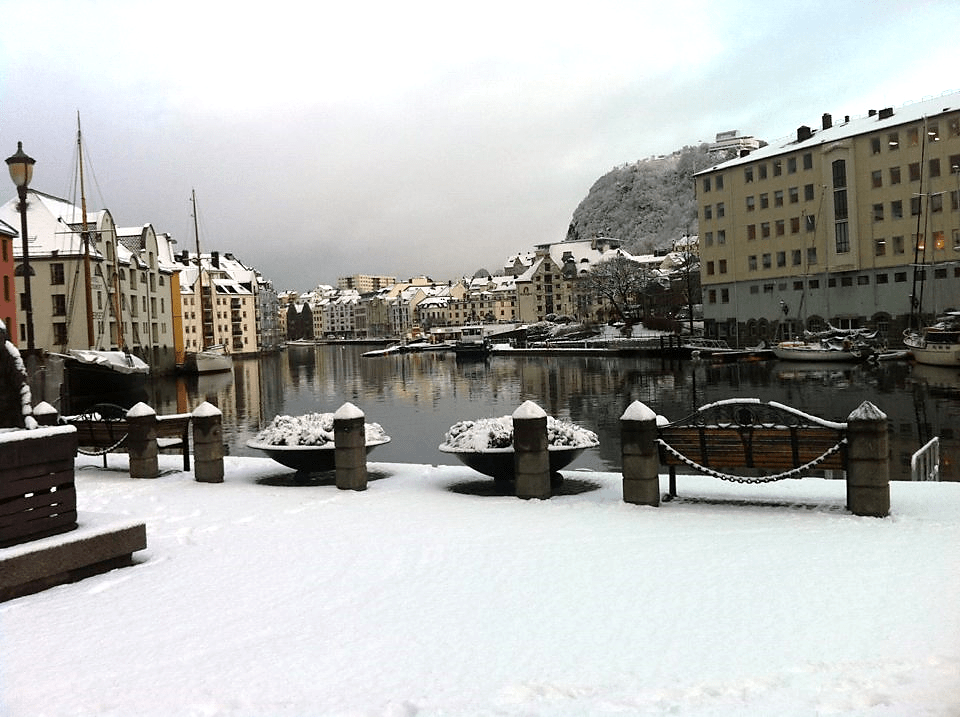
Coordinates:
<point>416,397</point>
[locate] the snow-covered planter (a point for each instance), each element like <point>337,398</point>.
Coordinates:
<point>486,444</point>
<point>306,443</point>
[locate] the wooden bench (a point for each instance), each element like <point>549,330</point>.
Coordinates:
<point>746,441</point>
<point>104,428</point>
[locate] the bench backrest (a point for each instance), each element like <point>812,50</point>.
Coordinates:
<point>747,434</point>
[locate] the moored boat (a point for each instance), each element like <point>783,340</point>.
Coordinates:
<point>937,344</point>
<point>212,359</point>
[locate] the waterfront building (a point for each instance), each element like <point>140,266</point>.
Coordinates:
<point>851,223</point>
<point>132,293</point>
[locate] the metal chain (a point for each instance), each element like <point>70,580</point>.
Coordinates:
<point>792,473</point>
<point>104,451</point>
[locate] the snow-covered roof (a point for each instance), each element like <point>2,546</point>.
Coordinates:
<point>873,121</point>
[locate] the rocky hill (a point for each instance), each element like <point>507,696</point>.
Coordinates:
<point>646,204</point>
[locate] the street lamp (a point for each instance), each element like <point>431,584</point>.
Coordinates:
<point>21,172</point>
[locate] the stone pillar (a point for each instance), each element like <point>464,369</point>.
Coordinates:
<point>350,446</point>
<point>868,462</point>
<point>639,454</point>
<point>46,414</point>
<point>531,460</point>
<point>207,422</point>
<point>142,441</point>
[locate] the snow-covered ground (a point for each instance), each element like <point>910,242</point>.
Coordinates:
<point>420,597</point>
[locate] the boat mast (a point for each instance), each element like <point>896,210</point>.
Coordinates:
<point>916,302</point>
<point>85,238</point>
<point>203,306</point>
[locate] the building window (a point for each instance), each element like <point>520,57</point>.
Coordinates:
<point>935,167</point>
<point>719,180</point>
<point>723,266</point>
<point>883,279</point>
<point>724,296</point>
<point>720,212</point>
<point>915,206</point>
<point>893,141</point>
<point>798,286</point>
<point>780,227</point>
<point>840,205</point>
<point>936,202</point>
<point>59,305</point>
<point>842,233</point>
<point>808,160</point>
<point>777,167</point>
<point>933,132</point>
<point>876,179</point>
<point>752,262</point>
<point>875,145</point>
<point>846,281</point>
<point>707,211</point>
<point>794,225</point>
<point>706,184</point>
<point>878,212</point>
<point>766,261</point>
<point>748,175</point>
<point>765,230</point>
<point>894,175</point>
<point>880,247</point>
<point>721,237</point>
<point>709,239</point>
<point>813,284</point>
<point>56,273</point>
<point>791,165</point>
<point>60,333</point>
<point>762,171</point>
<point>797,257</point>
<point>778,198</point>
<point>781,258</point>
<point>898,245</point>
<point>794,194</point>
<point>939,240</point>
<point>751,232</point>
<point>709,268</point>
<point>811,222</point>
<point>896,209</point>
<point>750,203</point>
<point>764,201</point>
<point>712,296</point>
<point>811,255</point>
<point>863,280</point>
<point>808,192</point>
<point>914,168</point>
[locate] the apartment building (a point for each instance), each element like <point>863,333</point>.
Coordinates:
<point>365,283</point>
<point>850,223</point>
<point>131,292</point>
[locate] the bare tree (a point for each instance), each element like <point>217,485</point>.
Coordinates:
<point>620,283</point>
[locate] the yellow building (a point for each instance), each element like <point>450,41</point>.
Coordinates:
<point>840,224</point>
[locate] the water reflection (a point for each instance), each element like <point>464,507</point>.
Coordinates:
<point>417,397</point>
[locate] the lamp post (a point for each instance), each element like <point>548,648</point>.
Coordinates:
<point>21,172</point>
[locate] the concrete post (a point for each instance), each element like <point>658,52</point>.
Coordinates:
<point>868,462</point>
<point>46,414</point>
<point>350,446</point>
<point>142,441</point>
<point>531,460</point>
<point>639,454</point>
<point>207,423</point>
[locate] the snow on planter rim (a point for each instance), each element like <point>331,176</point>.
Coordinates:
<point>495,435</point>
<point>310,430</point>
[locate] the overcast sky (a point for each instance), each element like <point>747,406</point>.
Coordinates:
<point>404,138</point>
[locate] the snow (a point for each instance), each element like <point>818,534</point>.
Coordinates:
<point>528,410</point>
<point>638,411</point>
<point>488,434</point>
<point>140,410</point>
<point>257,596</point>
<point>347,412</point>
<point>206,410</point>
<point>313,429</point>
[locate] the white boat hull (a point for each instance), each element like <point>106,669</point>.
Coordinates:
<point>799,351</point>
<point>207,362</point>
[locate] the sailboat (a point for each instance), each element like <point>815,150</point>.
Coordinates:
<point>936,344</point>
<point>95,375</point>
<point>211,358</point>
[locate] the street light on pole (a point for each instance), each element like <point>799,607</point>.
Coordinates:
<point>21,172</point>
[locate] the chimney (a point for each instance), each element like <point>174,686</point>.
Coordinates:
<point>744,152</point>
<point>803,133</point>
<point>886,113</point>
<point>872,113</point>
<point>215,259</point>
<point>827,120</point>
